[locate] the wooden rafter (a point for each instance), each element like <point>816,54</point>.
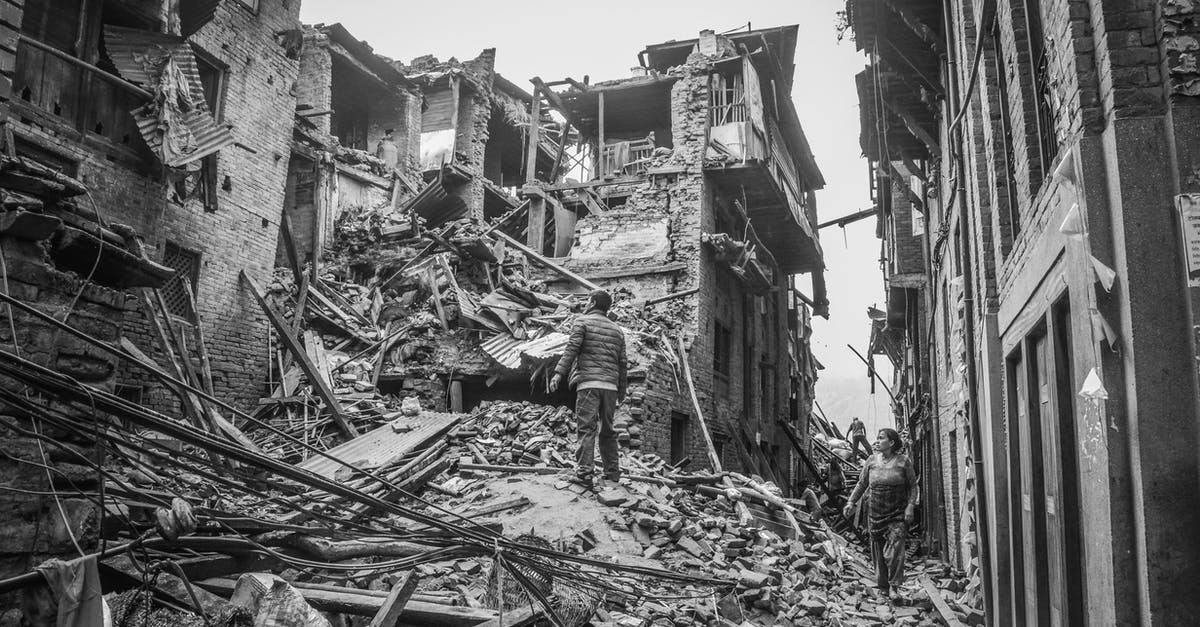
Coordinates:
<point>923,32</point>
<point>914,127</point>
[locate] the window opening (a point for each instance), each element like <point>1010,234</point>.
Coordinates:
<point>1046,136</point>
<point>186,264</point>
<point>721,345</point>
<point>1014,218</point>
<point>679,436</point>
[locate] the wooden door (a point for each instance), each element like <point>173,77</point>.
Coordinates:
<point>1032,490</point>
<point>1052,482</point>
<point>1028,538</point>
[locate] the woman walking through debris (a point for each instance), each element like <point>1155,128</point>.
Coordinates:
<point>891,504</point>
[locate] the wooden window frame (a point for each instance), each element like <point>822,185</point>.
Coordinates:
<point>253,6</point>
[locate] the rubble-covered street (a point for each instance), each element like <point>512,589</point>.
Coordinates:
<point>298,330</point>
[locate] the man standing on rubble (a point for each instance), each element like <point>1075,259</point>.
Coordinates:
<point>597,351</point>
<point>858,435</point>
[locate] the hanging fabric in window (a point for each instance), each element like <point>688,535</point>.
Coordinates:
<point>177,125</point>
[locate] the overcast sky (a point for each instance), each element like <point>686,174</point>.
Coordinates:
<point>553,40</point>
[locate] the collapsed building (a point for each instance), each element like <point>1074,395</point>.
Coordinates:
<point>656,186</point>
<point>260,247</point>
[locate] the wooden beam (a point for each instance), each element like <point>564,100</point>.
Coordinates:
<point>322,200</point>
<point>744,515</point>
<point>914,128</point>
<point>539,259</point>
<point>529,470</point>
<point>938,602</point>
<point>562,149</point>
<point>367,603</point>
<point>795,440</point>
<point>672,296</point>
<point>854,217</point>
<point>898,176</point>
<point>562,187</point>
<point>289,246</point>
<point>923,32</point>
<point>455,95</point>
<point>913,168</point>
<point>195,402</point>
<point>389,614</point>
<point>512,215</point>
<point>103,75</point>
<point>600,136</point>
<point>521,617</point>
<point>535,130</point>
<point>310,369</point>
<point>554,100</point>
<point>535,235</point>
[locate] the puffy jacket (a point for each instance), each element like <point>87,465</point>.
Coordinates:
<point>597,350</point>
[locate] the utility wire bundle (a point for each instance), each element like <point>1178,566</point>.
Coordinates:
<point>220,461</point>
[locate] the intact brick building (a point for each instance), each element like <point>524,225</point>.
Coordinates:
<point>1051,149</point>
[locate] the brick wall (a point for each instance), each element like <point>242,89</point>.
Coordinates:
<point>242,234</point>
<point>34,527</point>
<point>10,25</point>
<point>908,250</point>
<point>474,114</point>
<point>314,84</point>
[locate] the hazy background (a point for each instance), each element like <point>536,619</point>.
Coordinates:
<point>546,39</point>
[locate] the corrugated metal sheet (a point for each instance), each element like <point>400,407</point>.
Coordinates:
<point>140,57</point>
<point>508,350</point>
<point>544,348</point>
<point>505,349</point>
<point>384,445</point>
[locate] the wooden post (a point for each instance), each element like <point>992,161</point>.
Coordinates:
<point>535,131</point>
<point>535,234</point>
<point>393,606</point>
<point>320,191</point>
<point>562,149</point>
<point>201,347</point>
<point>289,246</point>
<point>456,396</point>
<point>455,95</point>
<point>600,139</point>
<point>310,369</point>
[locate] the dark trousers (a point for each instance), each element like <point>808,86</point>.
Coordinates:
<point>861,439</point>
<point>887,552</point>
<point>594,411</point>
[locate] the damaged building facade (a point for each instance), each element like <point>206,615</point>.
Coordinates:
<point>216,195</point>
<point>700,178</point>
<point>1034,168</point>
<point>698,158</point>
<point>145,148</point>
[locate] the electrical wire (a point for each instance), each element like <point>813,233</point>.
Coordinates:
<point>30,372</point>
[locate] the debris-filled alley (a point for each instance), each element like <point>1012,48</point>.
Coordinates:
<point>295,333</point>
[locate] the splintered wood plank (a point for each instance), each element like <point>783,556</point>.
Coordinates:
<point>315,348</point>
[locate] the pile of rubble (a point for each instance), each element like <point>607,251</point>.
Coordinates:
<point>516,456</point>
<point>332,497</point>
